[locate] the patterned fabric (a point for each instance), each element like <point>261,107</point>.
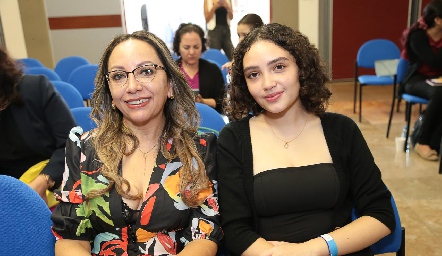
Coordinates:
<point>163,226</point>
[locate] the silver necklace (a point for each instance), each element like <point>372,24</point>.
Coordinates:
<point>286,143</point>
<point>145,153</point>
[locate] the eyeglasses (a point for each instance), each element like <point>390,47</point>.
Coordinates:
<point>143,74</point>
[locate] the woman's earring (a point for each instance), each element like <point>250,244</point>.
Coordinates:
<point>113,106</point>
<point>172,97</point>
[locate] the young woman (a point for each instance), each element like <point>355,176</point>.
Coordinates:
<point>143,182</point>
<point>289,172</point>
<point>423,48</point>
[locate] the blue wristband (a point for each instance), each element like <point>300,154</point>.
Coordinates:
<point>332,247</point>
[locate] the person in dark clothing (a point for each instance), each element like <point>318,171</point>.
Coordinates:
<point>218,14</point>
<point>423,48</point>
<point>204,77</point>
<point>34,125</point>
<point>290,172</point>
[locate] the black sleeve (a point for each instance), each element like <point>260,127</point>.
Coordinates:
<point>420,46</point>
<point>236,212</point>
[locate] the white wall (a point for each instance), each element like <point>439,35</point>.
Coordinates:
<point>309,19</point>
<point>90,42</point>
<point>12,28</point>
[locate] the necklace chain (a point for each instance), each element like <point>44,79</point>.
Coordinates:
<point>286,143</point>
<point>145,153</point>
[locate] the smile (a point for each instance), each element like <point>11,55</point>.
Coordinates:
<point>137,102</point>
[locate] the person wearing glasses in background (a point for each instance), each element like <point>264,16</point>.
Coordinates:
<point>143,182</point>
<point>204,77</point>
<point>34,126</point>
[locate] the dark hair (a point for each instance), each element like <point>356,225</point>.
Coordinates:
<point>251,19</point>
<point>314,94</point>
<point>431,11</point>
<point>10,76</point>
<point>187,28</point>
<point>182,120</point>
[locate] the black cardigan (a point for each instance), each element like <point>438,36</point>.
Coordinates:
<point>360,179</point>
<point>44,122</point>
<point>211,82</point>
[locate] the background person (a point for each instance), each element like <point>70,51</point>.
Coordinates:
<point>142,182</point>
<point>203,76</point>
<point>245,25</point>
<point>423,48</point>
<point>292,172</point>
<point>218,14</point>
<point>34,126</point>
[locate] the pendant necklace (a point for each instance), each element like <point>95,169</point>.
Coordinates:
<point>145,154</point>
<point>286,143</point>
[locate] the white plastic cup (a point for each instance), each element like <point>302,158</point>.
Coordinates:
<point>400,144</point>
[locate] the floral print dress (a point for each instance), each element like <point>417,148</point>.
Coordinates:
<point>162,226</point>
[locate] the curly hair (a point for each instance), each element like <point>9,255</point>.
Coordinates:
<point>182,120</point>
<point>314,94</point>
<point>187,28</point>
<point>10,75</point>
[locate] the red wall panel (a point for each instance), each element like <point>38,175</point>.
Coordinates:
<point>355,22</point>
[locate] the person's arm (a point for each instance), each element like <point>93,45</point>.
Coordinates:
<point>228,5</point>
<point>208,14</point>
<point>234,180</point>
<point>68,247</point>
<point>71,225</point>
<point>420,45</point>
<point>204,230</point>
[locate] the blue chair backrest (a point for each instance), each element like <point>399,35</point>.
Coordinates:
<point>66,65</point>
<point>392,242</point>
<point>29,63</point>
<point>211,120</point>
<point>49,73</point>
<point>69,93</point>
<point>25,220</point>
<point>401,70</point>
<point>376,49</point>
<point>83,79</point>
<point>216,55</point>
<point>83,118</point>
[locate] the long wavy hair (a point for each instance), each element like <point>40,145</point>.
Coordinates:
<point>431,11</point>
<point>182,120</point>
<point>314,94</point>
<point>10,76</point>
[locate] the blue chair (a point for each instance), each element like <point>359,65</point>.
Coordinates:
<point>394,242</point>
<point>25,220</point>
<point>216,55</point>
<point>211,120</point>
<point>368,53</point>
<point>69,93</point>
<point>401,70</point>
<point>83,78</point>
<point>66,65</point>
<point>83,117</point>
<point>29,63</point>
<point>49,73</point>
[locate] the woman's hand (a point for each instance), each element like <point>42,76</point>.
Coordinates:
<point>40,186</point>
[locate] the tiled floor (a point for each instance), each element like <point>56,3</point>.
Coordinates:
<point>414,182</point>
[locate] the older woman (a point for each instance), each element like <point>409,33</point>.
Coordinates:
<point>143,182</point>
<point>203,76</point>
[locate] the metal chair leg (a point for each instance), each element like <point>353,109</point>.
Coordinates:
<point>360,103</point>
<point>408,114</point>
